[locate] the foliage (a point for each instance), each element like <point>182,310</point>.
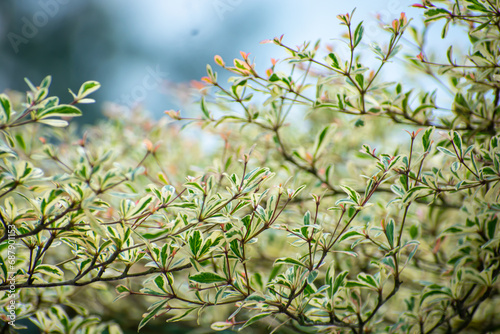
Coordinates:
<point>241,243</point>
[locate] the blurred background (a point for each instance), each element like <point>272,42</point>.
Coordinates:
<point>140,49</point>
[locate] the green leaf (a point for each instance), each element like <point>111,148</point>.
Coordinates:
<point>426,139</point>
<point>389,232</point>
<point>30,85</point>
<point>160,282</point>
<point>321,140</point>
<point>46,82</point>
<point>50,270</point>
<point>395,51</point>
<point>20,140</point>
<point>378,51</point>
<point>5,271</point>
<point>123,291</point>
<point>389,262</point>
<point>457,140</point>
<point>57,123</point>
<point>443,291</point>
<point>41,94</point>
<point>7,152</point>
<point>358,34</point>
<point>414,231</point>
<point>122,288</point>
<point>204,109</point>
<point>449,54</point>
<point>255,318</point>
<point>457,228</point>
<point>88,88</point>
<point>142,205</point>
<point>207,278</point>
<point>255,297</point>
<point>360,79</point>
<point>339,282</point>
<point>369,279</point>
<point>491,227</point>
<point>63,110</point>
<point>351,234</point>
<point>95,224</point>
<point>334,62</point>
<point>5,108</point>
<point>181,315</point>
<point>415,245</point>
<point>446,151</point>
<point>477,6</point>
<point>221,325</point>
<point>289,260</point>
<point>114,329</point>
<point>353,194</point>
<point>356,284</point>
<point>312,276</point>
<point>436,13</point>
<point>195,241</point>
<point>307,218</point>
<point>297,191</point>
<point>359,123</point>
<point>446,26</point>
<point>150,315</point>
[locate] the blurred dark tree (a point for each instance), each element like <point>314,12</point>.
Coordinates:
<point>88,40</point>
<point>51,47</point>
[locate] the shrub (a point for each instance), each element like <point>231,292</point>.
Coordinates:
<point>401,236</point>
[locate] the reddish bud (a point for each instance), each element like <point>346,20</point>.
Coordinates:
<point>207,80</point>
<point>278,40</point>
<point>148,144</point>
<point>244,55</point>
<point>403,18</point>
<point>395,25</point>
<point>437,246</point>
<point>218,60</point>
<point>309,157</point>
<point>174,114</point>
